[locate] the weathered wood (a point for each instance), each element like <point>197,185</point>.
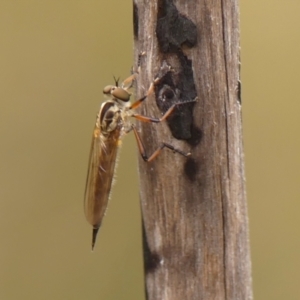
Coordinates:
<point>194,210</point>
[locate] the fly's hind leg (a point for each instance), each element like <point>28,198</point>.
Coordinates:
<point>163,145</point>
<point>157,151</point>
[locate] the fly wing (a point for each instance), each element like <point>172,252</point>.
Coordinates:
<point>100,175</point>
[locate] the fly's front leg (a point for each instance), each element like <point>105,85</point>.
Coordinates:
<point>128,82</point>
<point>137,103</point>
<point>157,151</point>
<point>164,69</point>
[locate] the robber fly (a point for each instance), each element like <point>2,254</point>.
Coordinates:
<point>113,121</point>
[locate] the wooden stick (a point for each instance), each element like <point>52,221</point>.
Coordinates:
<point>195,226</point>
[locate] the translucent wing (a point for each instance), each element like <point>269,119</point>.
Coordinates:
<point>100,175</point>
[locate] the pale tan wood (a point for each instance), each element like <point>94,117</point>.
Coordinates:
<point>194,210</point>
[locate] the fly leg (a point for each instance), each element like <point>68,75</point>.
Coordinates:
<point>129,81</point>
<point>157,151</point>
<point>165,69</point>
<point>167,113</point>
<point>143,118</point>
<point>155,120</point>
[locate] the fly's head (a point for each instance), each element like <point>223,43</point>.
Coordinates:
<point>120,95</point>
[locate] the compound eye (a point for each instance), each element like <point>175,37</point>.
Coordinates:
<point>108,89</point>
<point>120,94</point>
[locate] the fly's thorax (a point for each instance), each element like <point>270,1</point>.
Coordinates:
<point>109,117</point>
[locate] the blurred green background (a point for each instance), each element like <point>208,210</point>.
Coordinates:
<point>55,58</point>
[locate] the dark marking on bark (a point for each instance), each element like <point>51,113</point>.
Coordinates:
<point>196,136</point>
<point>191,169</point>
<point>239,91</point>
<point>173,30</point>
<point>135,21</point>
<point>179,87</point>
<point>239,84</point>
<point>151,260</point>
